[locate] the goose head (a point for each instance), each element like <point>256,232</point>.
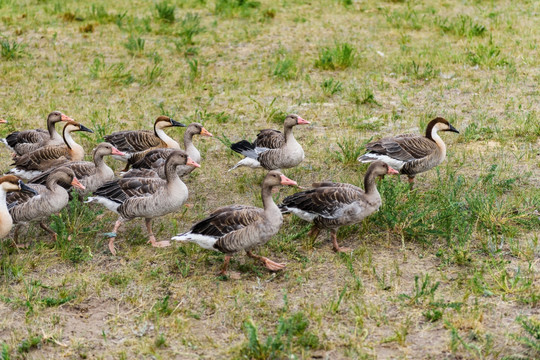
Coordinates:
<point>439,124</point>
<point>64,175</point>
<point>105,148</point>
<point>72,126</point>
<point>57,116</point>
<point>163,122</point>
<point>380,168</point>
<point>196,128</point>
<point>12,183</point>
<point>180,157</point>
<point>293,120</point>
<point>276,178</point>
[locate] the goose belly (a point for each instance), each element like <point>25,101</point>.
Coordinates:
<point>159,204</point>
<point>39,207</point>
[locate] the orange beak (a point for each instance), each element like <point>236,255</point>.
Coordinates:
<point>115,151</point>
<point>206,132</point>
<point>392,171</point>
<point>286,181</point>
<point>192,163</point>
<point>302,121</point>
<point>66,118</point>
<point>2,121</point>
<point>77,184</point>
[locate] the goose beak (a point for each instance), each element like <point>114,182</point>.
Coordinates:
<point>27,189</point>
<point>115,151</point>
<point>302,121</point>
<point>2,121</point>
<point>84,128</point>
<point>190,162</point>
<point>286,181</point>
<point>452,129</point>
<point>176,123</point>
<point>206,132</point>
<point>77,184</point>
<point>64,117</point>
<point>392,171</point>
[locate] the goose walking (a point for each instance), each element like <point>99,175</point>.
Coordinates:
<point>48,199</point>
<point>36,162</point>
<point>9,183</point>
<point>131,142</point>
<point>237,227</point>
<point>332,205</point>
<point>272,149</point>
<point>23,142</point>
<point>411,154</point>
<point>145,197</point>
<point>155,159</point>
<point>91,174</point>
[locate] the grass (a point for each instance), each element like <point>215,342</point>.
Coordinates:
<point>449,268</point>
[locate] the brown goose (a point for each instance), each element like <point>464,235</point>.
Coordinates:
<point>145,197</point>
<point>411,154</point>
<point>272,150</point>
<point>234,228</point>
<point>23,142</point>
<point>155,159</point>
<point>332,205</point>
<point>91,174</point>
<point>134,141</point>
<point>49,199</point>
<point>9,183</point>
<point>34,163</point>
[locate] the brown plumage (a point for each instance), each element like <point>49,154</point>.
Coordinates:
<point>23,142</point>
<point>34,163</point>
<point>145,197</point>
<point>234,228</point>
<point>132,142</point>
<point>332,205</point>
<point>48,199</point>
<point>9,183</point>
<point>91,174</point>
<point>411,154</point>
<point>289,153</point>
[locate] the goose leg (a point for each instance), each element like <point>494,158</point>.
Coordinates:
<point>269,264</point>
<point>314,232</point>
<point>337,248</point>
<point>16,238</point>
<point>113,236</point>
<point>411,180</point>
<point>152,238</point>
<point>45,227</point>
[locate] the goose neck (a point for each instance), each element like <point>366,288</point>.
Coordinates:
<point>162,135</point>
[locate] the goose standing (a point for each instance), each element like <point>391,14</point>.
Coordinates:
<point>411,154</point>
<point>131,142</point>
<point>91,174</point>
<point>332,205</point>
<point>272,149</point>
<point>145,197</point>
<point>234,228</point>
<point>155,159</point>
<point>23,142</point>
<point>47,200</point>
<point>9,183</point>
<point>34,163</point>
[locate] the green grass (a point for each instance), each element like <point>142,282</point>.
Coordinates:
<point>450,267</point>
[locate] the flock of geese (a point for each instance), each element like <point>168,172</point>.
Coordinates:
<point>151,183</point>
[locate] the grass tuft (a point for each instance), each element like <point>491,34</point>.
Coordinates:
<point>338,57</point>
<point>11,50</point>
<point>165,11</point>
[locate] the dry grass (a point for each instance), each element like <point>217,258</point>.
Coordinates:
<point>356,69</point>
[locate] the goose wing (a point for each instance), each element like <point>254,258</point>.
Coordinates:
<point>403,147</point>
<point>42,158</point>
<point>27,137</point>
<point>248,149</point>
<point>153,158</point>
<point>133,140</point>
<point>122,189</point>
<point>226,220</point>
<point>269,138</point>
<point>15,198</point>
<point>333,184</point>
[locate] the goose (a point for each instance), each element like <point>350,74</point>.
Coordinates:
<point>155,159</point>
<point>3,121</point>
<point>272,150</point>
<point>9,183</point>
<point>131,142</point>
<point>23,142</point>
<point>91,174</point>
<point>411,154</point>
<point>48,199</point>
<point>332,205</point>
<point>145,197</point>
<point>34,163</point>
<point>237,227</point>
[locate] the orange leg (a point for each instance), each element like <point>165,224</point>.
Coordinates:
<point>337,248</point>
<point>269,264</point>
<point>152,238</point>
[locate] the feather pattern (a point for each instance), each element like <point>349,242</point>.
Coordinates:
<point>270,138</point>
